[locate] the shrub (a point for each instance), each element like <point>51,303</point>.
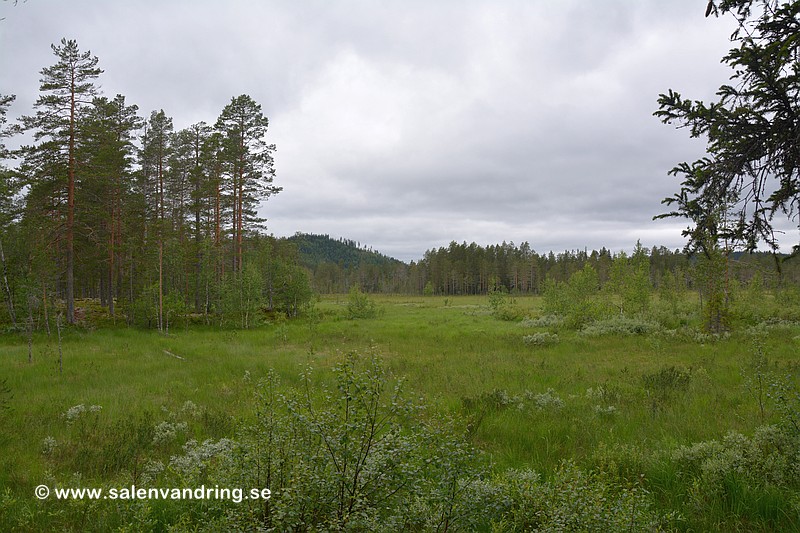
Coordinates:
<point>573,500</point>
<point>620,326</point>
<point>545,400</point>
<point>349,459</point>
<point>750,477</point>
<point>360,305</point>
<point>540,339</point>
<point>577,300</point>
<point>502,306</point>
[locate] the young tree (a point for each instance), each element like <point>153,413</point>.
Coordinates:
<point>68,88</point>
<point>249,163</point>
<point>753,160</point>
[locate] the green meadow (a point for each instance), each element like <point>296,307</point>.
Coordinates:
<point>660,410</point>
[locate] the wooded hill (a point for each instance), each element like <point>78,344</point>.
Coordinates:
<point>315,250</point>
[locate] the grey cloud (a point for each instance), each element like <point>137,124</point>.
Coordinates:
<point>406,125</point>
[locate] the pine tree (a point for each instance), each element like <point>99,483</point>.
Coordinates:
<point>68,88</point>
<point>249,164</point>
<point>155,157</point>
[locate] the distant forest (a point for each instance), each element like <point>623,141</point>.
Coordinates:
<point>336,265</point>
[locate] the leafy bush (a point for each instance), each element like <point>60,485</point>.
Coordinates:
<point>502,306</point>
<point>360,305</point>
<point>571,500</point>
<point>349,459</point>
<point>509,313</point>
<point>545,400</point>
<point>499,399</point>
<point>577,300</point>
<point>752,477</point>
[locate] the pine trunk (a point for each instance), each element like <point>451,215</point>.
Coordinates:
<point>70,296</point>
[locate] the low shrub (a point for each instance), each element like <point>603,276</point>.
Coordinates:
<point>540,339</point>
<point>573,500</point>
<point>620,326</point>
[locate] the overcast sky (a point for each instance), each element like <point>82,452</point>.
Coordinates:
<point>408,124</point>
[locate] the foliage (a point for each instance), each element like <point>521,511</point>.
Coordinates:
<point>340,459</point>
<point>502,305</point>
<point>629,282</point>
<point>667,379</point>
<point>360,305</point>
<point>746,473</point>
<point>752,161</point>
<point>574,500</point>
<point>242,296</point>
<point>318,249</point>
<point>143,311</point>
<point>577,300</point>
<point>291,290</point>
<point>713,281</point>
<point>616,406</point>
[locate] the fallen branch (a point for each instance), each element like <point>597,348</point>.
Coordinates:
<point>173,355</point>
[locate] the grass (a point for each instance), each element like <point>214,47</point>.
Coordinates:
<point>619,404</point>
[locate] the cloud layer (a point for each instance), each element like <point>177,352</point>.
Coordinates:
<point>405,125</point>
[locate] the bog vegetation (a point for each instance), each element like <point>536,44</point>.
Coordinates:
<point>500,412</point>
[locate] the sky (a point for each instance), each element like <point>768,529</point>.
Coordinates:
<point>407,124</point>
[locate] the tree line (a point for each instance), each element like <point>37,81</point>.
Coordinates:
<point>472,269</point>
<point>107,204</point>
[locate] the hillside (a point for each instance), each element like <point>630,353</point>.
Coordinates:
<point>318,249</point>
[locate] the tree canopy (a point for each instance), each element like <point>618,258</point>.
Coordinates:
<point>749,181</point>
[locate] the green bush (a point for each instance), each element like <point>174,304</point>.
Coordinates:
<point>667,379</point>
<point>577,300</point>
<point>360,305</point>
<point>360,456</point>
<point>571,500</point>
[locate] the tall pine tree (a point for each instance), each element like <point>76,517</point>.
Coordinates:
<point>249,164</point>
<point>67,89</point>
